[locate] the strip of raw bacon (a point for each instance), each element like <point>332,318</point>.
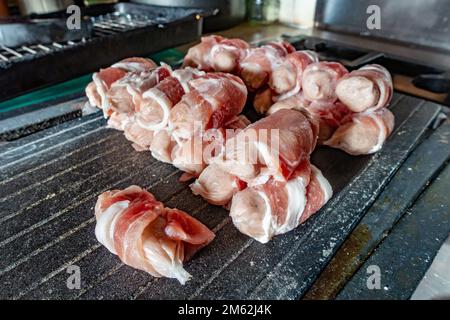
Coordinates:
<point>216,53</point>
<point>286,79</point>
<point>191,156</point>
<point>125,95</point>
<point>147,236</point>
<point>259,63</point>
<point>162,146</point>
<point>320,79</point>
<point>275,208</point>
<point>369,88</point>
<point>273,147</point>
<point>103,80</point>
<point>216,185</point>
<point>215,99</point>
<point>142,138</point>
<point>364,133</point>
<point>153,113</point>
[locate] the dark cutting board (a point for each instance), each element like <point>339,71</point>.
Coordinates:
<point>49,183</point>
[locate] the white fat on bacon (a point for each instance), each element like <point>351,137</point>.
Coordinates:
<point>135,65</point>
<point>99,92</point>
<point>106,222</point>
<point>157,115</point>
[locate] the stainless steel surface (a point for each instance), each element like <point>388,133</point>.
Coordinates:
<point>421,55</point>
<point>436,282</point>
<point>417,22</point>
<point>42,6</point>
<point>230,12</point>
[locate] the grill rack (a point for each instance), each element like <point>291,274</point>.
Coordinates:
<point>145,29</point>
<point>103,25</point>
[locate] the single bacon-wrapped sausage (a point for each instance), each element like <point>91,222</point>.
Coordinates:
<point>329,115</point>
<point>367,89</point>
<point>274,208</point>
<point>364,133</point>
<point>154,110</point>
<point>216,53</point>
<point>286,79</point>
<point>259,63</point>
<point>320,79</point>
<point>145,235</point>
<point>125,95</point>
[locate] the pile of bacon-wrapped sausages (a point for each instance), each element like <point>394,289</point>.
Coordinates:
<point>350,107</point>
<point>169,113</point>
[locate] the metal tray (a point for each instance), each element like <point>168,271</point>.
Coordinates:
<point>119,31</point>
<point>49,182</point>
<point>23,32</point>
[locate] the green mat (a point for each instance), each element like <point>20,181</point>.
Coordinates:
<point>171,57</point>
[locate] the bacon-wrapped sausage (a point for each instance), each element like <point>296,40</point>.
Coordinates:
<point>367,89</point>
<point>364,133</point>
<point>320,79</point>
<point>216,53</point>
<point>286,79</point>
<point>274,208</point>
<point>147,236</point>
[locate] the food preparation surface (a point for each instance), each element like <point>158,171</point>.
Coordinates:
<point>50,182</point>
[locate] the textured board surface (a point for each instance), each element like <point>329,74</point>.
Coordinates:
<point>416,174</point>
<point>404,257</point>
<point>49,183</point>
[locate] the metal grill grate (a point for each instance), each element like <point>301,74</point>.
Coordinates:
<point>10,55</point>
<point>103,25</point>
